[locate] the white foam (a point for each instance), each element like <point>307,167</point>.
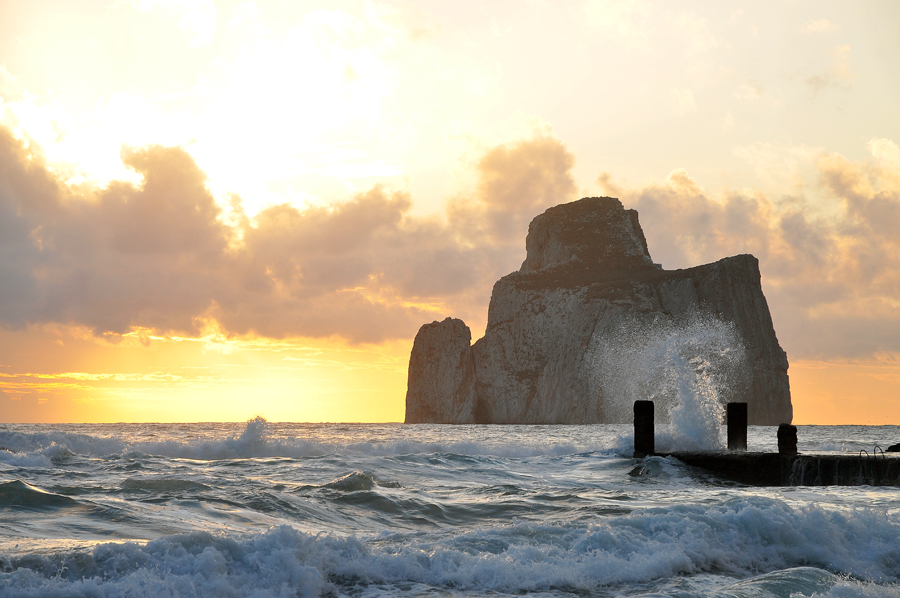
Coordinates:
<point>741,538</point>
<point>58,445</point>
<point>256,441</point>
<point>687,368</point>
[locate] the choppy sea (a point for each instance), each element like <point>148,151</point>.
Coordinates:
<point>259,509</point>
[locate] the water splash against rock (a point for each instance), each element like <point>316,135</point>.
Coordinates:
<point>689,369</point>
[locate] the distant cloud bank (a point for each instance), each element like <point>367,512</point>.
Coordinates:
<point>164,255</point>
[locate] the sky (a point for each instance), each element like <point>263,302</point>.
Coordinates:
<point>216,210</point>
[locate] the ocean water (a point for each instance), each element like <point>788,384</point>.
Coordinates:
<point>259,509</point>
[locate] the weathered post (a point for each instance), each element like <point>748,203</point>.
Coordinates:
<point>787,440</point>
<point>736,422</point>
<point>644,442</point>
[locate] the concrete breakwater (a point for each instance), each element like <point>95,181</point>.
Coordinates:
<point>787,467</point>
<point>774,469</point>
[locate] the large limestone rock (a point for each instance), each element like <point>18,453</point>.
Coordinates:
<point>442,365</point>
<point>576,332</point>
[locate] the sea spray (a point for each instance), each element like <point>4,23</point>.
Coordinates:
<point>689,369</point>
<point>254,435</point>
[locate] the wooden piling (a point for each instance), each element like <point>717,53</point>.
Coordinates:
<point>644,441</point>
<point>736,422</point>
<point>787,439</point>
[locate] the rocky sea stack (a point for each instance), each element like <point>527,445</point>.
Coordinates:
<point>589,324</point>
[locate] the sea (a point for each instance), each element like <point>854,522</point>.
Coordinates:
<point>263,509</point>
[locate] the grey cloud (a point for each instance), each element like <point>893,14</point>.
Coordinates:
<point>19,255</point>
<point>830,282</point>
<point>840,75</point>
<point>870,198</point>
<point>172,212</point>
<point>516,183</point>
<point>159,255</point>
<point>685,227</point>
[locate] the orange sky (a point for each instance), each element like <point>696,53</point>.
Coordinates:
<point>213,210</point>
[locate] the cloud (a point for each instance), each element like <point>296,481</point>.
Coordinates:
<point>515,183</point>
<point>727,122</point>
<point>752,92</point>
<point>112,258</point>
<point>819,26</point>
<point>832,277</point>
<point>161,254</point>
<point>196,18</point>
<point>695,33</point>
<point>682,101</point>
<point>886,153</point>
<point>628,21</point>
<point>638,25</point>
<point>748,91</point>
<point>839,76</point>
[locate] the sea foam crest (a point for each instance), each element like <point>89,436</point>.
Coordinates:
<point>687,368</point>
<point>44,449</point>
<point>256,440</point>
<point>804,550</point>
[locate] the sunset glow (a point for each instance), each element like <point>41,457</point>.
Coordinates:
<point>211,210</point>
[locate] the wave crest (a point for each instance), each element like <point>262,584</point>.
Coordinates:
<point>775,546</point>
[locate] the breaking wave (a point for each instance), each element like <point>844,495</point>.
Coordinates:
<point>774,549</point>
<point>256,441</point>
<point>688,369</point>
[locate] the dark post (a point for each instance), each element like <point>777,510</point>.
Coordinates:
<point>736,420</point>
<point>787,440</point>
<point>644,443</point>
